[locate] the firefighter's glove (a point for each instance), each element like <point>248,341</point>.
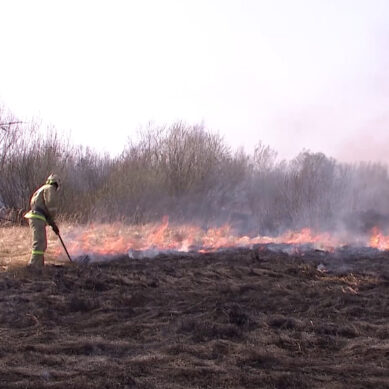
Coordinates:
<point>55,228</point>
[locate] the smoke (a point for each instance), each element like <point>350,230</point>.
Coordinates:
<point>190,175</point>
<point>370,143</point>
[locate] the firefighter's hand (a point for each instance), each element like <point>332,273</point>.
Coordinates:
<point>55,228</point>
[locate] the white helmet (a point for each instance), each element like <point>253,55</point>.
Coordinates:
<point>54,179</point>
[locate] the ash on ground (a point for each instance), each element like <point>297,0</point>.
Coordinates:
<point>237,318</point>
<point>345,259</point>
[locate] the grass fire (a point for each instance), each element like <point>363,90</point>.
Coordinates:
<point>265,273</point>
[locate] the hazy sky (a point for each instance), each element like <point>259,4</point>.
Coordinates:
<point>294,74</point>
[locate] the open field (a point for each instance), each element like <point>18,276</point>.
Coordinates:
<point>242,318</point>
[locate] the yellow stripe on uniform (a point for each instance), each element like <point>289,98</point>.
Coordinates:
<point>37,252</point>
<point>34,215</point>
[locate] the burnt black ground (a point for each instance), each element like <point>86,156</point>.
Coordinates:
<point>235,319</point>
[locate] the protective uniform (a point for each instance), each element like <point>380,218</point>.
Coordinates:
<point>44,205</point>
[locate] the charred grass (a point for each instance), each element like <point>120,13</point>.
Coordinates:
<point>238,319</point>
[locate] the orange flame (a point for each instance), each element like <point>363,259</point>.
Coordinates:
<point>117,238</point>
<point>378,239</point>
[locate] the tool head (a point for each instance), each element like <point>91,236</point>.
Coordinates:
<point>82,260</point>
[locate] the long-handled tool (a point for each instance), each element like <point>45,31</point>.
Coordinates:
<point>63,245</point>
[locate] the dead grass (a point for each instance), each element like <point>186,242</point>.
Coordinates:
<point>15,247</point>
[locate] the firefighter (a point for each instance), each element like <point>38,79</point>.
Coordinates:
<point>44,205</point>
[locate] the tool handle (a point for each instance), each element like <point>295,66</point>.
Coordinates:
<point>63,245</point>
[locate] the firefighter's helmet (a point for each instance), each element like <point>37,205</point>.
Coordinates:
<point>54,179</point>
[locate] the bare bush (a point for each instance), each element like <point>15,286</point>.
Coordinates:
<point>190,158</point>
<point>9,134</point>
<point>29,161</point>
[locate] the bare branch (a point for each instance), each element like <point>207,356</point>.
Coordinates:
<point>4,125</point>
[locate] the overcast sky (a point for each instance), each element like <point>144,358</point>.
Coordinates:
<point>294,74</point>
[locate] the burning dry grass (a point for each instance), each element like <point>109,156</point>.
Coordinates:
<point>119,238</point>
<point>235,319</point>
<point>104,241</point>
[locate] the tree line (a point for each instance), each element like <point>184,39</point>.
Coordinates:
<point>190,174</point>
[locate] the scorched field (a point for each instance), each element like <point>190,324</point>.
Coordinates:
<point>257,317</point>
